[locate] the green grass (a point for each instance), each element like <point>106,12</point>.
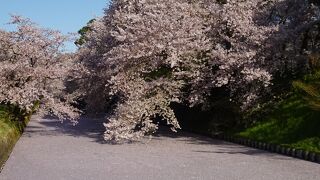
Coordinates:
<point>292,123</point>
<point>11,128</point>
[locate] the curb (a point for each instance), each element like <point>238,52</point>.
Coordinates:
<point>287,151</point>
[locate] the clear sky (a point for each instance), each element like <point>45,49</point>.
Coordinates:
<point>64,15</point>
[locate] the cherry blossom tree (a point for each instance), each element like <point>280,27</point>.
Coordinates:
<point>151,53</point>
<point>33,69</point>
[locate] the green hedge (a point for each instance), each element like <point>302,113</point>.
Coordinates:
<point>12,124</point>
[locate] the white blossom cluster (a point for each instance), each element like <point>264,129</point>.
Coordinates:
<point>151,53</point>
<point>33,69</point>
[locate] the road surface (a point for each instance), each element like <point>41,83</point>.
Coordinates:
<point>50,150</point>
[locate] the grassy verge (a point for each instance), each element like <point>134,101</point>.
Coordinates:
<point>292,123</point>
<point>11,128</point>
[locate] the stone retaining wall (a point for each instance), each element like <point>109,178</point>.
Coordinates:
<point>296,153</point>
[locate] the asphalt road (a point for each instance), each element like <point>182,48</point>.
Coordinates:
<point>49,150</point>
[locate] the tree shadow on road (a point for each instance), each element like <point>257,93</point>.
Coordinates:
<point>93,129</point>
<point>49,126</point>
<point>220,146</point>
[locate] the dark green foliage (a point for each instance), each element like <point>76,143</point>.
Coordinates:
<point>83,31</point>
<point>312,93</point>
<point>221,1</point>
<point>310,85</point>
<point>161,72</point>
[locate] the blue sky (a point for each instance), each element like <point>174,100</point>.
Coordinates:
<point>64,15</point>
